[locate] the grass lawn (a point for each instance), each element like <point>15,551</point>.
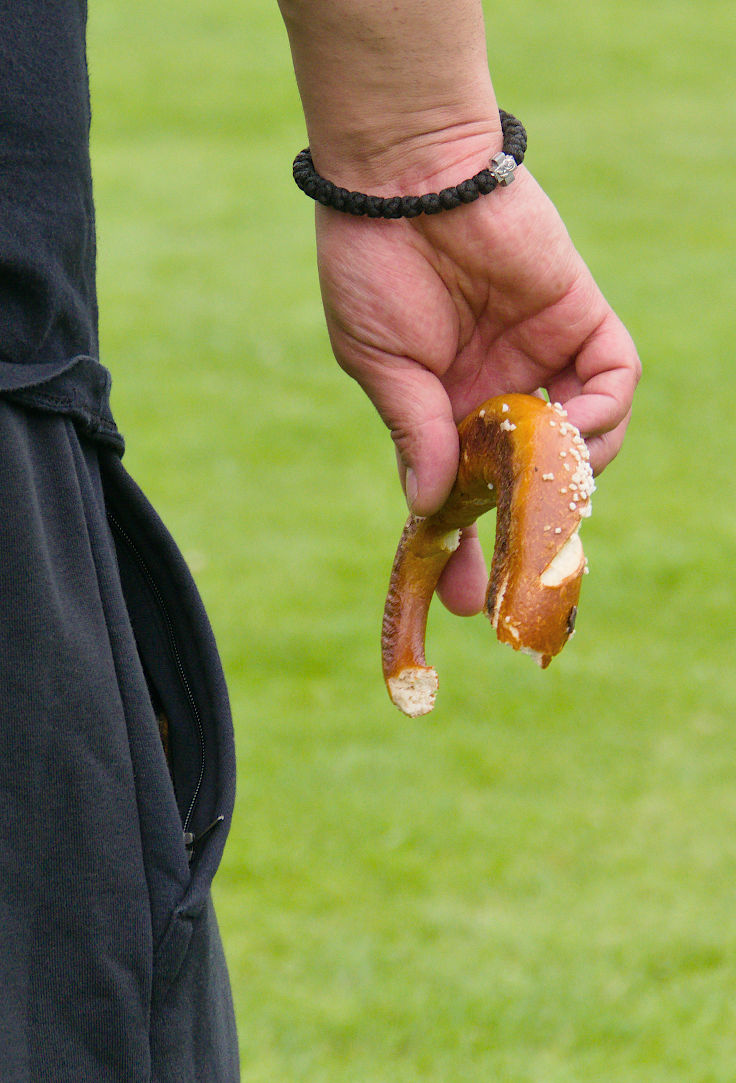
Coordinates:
<point>537,884</point>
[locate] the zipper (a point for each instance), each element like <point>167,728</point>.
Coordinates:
<point>189,840</point>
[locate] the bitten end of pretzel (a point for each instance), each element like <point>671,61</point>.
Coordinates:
<point>413,690</point>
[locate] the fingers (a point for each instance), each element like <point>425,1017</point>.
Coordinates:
<point>598,390</point>
<point>605,447</point>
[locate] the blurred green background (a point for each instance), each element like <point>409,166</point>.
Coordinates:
<point>537,883</point>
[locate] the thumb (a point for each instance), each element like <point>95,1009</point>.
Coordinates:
<point>428,458</point>
<point>415,407</point>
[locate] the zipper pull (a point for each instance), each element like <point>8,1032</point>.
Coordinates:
<point>191,840</point>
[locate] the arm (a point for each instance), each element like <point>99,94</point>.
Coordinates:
<point>434,314</point>
<point>387,88</point>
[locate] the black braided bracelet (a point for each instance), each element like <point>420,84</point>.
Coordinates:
<point>500,171</point>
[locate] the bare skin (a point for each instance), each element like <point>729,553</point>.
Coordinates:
<point>433,315</point>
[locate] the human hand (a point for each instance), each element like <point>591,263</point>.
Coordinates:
<point>433,315</point>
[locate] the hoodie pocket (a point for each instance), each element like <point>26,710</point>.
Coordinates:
<point>182,665</point>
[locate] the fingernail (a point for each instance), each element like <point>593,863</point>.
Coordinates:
<point>412,488</point>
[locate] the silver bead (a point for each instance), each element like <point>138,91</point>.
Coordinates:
<point>502,167</point>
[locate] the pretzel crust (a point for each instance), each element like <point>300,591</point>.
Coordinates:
<point>521,455</point>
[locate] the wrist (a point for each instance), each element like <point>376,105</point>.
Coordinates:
<point>499,170</point>
<point>409,156</point>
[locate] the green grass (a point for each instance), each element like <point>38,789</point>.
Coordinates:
<point>535,885</point>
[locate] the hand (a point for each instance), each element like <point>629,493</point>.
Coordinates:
<point>433,315</point>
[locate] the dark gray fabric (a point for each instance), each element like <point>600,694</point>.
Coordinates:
<point>110,961</point>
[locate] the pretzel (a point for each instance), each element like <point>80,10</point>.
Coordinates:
<point>520,454</point>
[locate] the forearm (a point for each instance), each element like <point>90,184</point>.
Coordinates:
<point>394,91</point>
